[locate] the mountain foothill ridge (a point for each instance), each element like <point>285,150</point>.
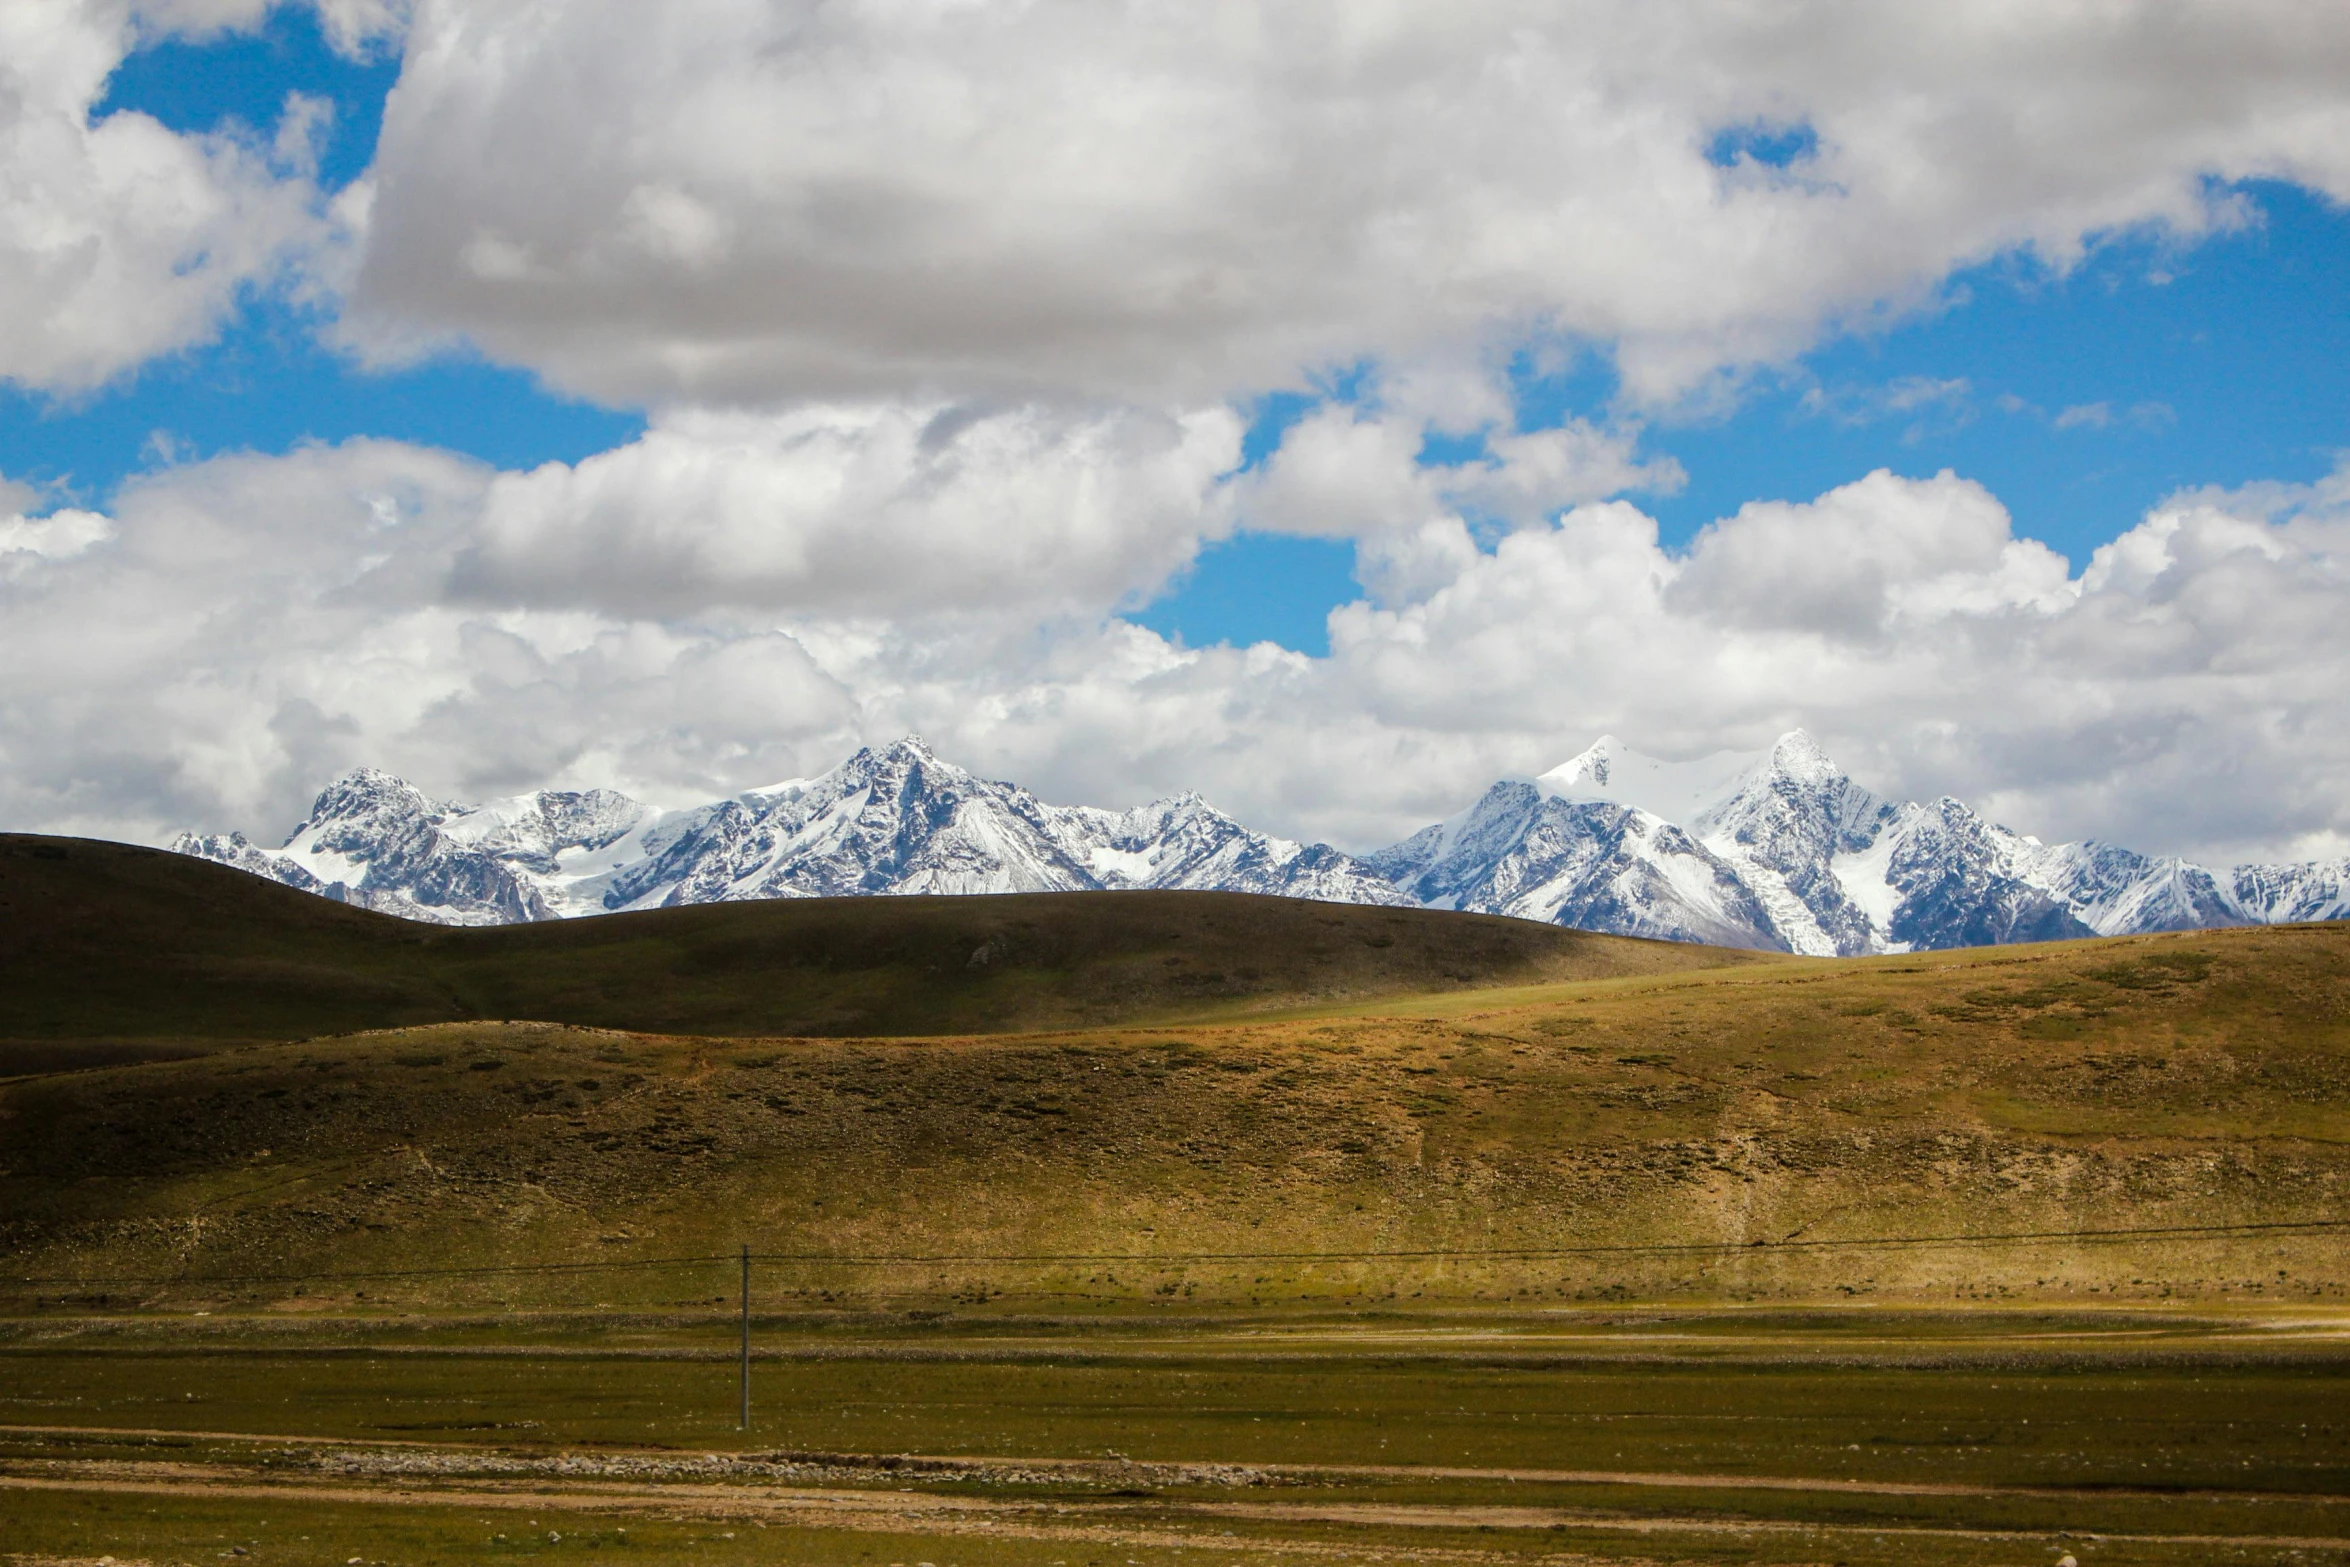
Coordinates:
<point>1775,850</point>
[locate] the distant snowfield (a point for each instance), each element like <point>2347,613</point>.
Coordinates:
<point>1776,849</point>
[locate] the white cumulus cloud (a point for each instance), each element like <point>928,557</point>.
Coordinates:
<point>847,508</point>
<point>120,239</point>
<point>768,199</point>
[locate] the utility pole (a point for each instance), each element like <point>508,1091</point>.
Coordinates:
<point>744,1424</point>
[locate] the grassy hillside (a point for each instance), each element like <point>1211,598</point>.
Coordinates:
<point>1263,1253</point>
<point>1773,1112</point>
<point>118,952</point>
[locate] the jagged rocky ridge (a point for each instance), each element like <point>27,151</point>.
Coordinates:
<point>1777,849</point>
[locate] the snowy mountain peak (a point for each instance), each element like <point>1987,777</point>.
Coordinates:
<point>1797,755</point>
<point>910,751</point>
<point>1676,791</point>
<point>369,780</point>
<point>366,792</point>
<point>903,763</point>
<point>1792,788</point>
<point>1592,769</point>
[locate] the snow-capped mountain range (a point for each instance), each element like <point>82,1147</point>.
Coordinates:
<point>892,821</point>
<point>1782,850</point>
<point>1776,849</point>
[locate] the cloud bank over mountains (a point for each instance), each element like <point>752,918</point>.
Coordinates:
<point>946,314</point>
<point>274,621</point>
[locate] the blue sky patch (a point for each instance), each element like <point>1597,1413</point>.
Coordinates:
<point>209,84</point>
<point>1773,146</point>
<point>1258,587</point>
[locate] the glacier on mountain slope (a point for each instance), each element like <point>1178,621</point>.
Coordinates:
<point>1593,864</point>
<point>1775,849</point>
<point>2285,894</point>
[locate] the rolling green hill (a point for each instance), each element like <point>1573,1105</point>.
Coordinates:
<point>114,952</point>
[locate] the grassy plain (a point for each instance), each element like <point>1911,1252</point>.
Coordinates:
<point>1862,1437</point>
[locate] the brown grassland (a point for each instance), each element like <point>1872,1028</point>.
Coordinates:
<point>1601,1252</point>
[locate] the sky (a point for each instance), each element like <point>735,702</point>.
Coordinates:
<point>1329,408</point>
